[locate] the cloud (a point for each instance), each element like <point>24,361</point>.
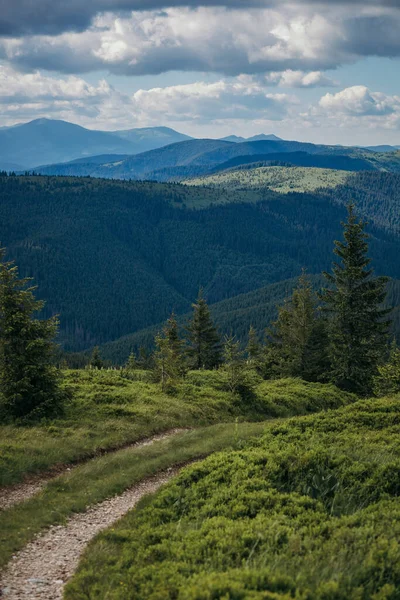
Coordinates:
<point>289,39</point>
<point>205,102</point>
<point>27,96</point>
<point>22,17</point>
<point>359,101</point>
<point>299,79</point>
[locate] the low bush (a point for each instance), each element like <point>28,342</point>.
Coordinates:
<point>109,410</point>
<point>309,511</point>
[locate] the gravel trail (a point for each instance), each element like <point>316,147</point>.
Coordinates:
<point>14,494</point>
<point>42,568</point>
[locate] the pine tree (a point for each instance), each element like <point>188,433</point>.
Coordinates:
<point>204,350</point>
<point>169,364</point>
<point>96,360</point>
<point>131,363</point>
<point>297,345</point>
<point>359,325</point>
<point>29,381</point>
<point>171,331</point>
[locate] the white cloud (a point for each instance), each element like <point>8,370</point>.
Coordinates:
<point>36,87</point>
<point>207,102</point>
<point>290,38</point>
<point>25,96</point>
<point>359,101</point>
<point>299,79</point>
<point>72,98</point>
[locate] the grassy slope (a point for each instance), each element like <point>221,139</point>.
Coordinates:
<point>109,411</point>
<point>279,179</point>
<point>112,473</point>
<point>310,511</point>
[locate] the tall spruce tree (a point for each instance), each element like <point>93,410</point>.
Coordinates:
<point>204,349</point>
<point>359,325</point>
<point>131,364</point>
<point>297,342</point>
<point>29,382</point>
<point>171,331</point>
<point>96,361</point>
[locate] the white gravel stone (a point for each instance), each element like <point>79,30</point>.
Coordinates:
<point>38,573</point>
<point>41,569</point>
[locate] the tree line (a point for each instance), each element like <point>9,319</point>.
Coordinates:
<point>340,335</point>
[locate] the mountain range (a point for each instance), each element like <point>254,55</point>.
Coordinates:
<point>60,148</point>
<point>41,141</point>
<point>192,158</point>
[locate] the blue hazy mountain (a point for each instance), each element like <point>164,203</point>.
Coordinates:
<point>47,141</point>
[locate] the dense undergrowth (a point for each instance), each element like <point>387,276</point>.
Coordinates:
<point>110,410</point>
<point>109,475</point>
<point>308,511</point>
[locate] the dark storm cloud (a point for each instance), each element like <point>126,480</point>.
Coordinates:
<point>52,17</point>
<point>373,36</point>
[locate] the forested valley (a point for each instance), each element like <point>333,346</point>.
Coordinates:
<point>143,250</point>
<point>148,326</point>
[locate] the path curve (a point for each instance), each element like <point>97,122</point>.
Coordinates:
<point>42,568</point>
<point>14,494</point>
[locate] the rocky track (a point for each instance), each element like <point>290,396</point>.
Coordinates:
<point>42,568</point>
<point>14,494</point>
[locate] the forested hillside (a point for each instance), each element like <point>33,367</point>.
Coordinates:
<point>134,250</point>
<point>196,157</point>
<point>255,309</point>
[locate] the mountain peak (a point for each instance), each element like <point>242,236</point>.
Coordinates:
<point>255,138</point>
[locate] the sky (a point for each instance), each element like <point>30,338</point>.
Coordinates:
<point>324,71</point>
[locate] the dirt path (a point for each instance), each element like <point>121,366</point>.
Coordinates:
<point>42,568</point>
<point>14,494</point>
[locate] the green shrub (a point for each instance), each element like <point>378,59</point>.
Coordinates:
<point>308,511</point>
<point>109,410</point>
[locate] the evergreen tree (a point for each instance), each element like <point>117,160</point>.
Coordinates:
<point>29,381</point>
<point>388,379</point>
<point>297,340</point>
<point>96,360</point>
<point>171,331</point>
<point>169,364</point>
<point>359,325</point>
<point>204,350</point>
<point>131,363</point>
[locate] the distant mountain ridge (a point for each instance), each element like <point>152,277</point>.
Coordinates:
<point>192,158</point>
<point>255,138</point>
<point>47,141</point>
